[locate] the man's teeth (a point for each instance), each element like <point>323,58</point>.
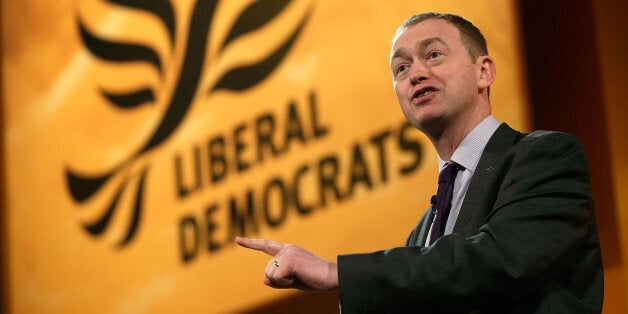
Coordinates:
<point>425,93</point>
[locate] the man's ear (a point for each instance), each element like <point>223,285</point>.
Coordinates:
<point>486,72</point>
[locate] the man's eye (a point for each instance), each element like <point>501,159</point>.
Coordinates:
<point>433,55</point>
<point>402,68</point>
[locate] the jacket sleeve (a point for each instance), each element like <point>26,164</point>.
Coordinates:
<point>539,220</point>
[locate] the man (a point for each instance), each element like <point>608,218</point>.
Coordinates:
<point>520,235</point>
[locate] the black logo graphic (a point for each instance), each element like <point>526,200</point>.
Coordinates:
<point>131,174</point>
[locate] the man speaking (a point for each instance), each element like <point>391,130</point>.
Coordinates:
<point>511,228</point>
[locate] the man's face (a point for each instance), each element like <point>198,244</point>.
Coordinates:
<point>434,78</point>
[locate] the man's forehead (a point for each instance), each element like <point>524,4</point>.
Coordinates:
<point>424,33</point>
<point>432,28</point>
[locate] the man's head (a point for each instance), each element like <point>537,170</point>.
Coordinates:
<point>441,73</point>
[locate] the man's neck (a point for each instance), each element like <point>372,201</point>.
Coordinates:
<point>446,141</point>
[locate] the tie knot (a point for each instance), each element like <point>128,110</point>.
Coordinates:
<point>449,172</point>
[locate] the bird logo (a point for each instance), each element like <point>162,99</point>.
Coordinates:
<point>129,176</point>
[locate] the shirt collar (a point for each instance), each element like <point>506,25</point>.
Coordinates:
<point>468,153</point>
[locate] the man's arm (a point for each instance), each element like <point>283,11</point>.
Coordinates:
<point>536,227</point>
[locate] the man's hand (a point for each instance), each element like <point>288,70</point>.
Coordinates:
<point>294,267</point>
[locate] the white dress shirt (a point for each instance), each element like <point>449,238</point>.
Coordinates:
<point>467,154</point>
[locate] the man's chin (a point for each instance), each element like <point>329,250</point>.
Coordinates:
<point>431,125</point>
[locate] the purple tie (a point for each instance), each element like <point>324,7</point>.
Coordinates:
<point>444,195</point>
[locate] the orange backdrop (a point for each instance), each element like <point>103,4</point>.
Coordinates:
<point>139,141</point>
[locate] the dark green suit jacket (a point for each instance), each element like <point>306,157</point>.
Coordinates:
<point>525,241</point>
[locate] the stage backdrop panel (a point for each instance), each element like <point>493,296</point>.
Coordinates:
<point>141,137</point>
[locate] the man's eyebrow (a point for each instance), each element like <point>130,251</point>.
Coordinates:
<point>426,42</point>
<point>397,54</point>
<point>400,52</point>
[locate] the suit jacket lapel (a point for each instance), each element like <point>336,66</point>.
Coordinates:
<point>482,190</point>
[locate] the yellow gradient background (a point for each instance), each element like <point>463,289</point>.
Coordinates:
<point>55,117</point>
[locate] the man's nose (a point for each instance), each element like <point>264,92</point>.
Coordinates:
<point>418,74</point>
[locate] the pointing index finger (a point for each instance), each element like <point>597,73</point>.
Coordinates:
<point>266,246</point>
